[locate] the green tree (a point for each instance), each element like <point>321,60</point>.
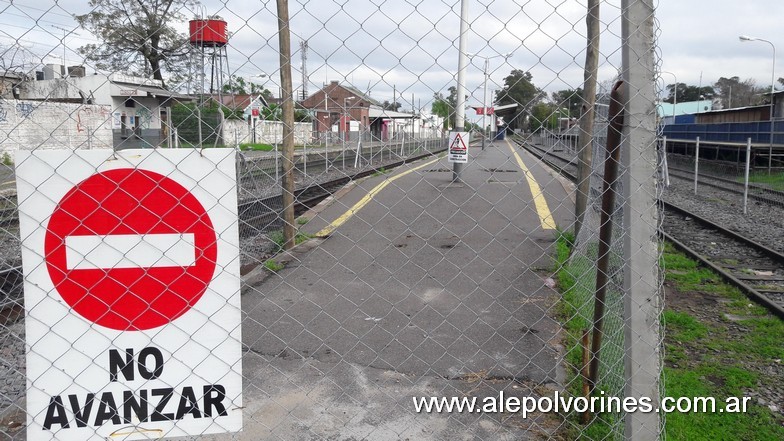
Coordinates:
<point>386,105</point>
<point>542,117</point>
<point>671,89</point>
<point>694,93</point>
<point>443,108</point>
<point>571,99</point>
<point>274,112</point>
<point>138,37</point>
<point>239,86</point>
<point>519,89</point>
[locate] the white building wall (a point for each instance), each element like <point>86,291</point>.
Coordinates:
<point>29,125</point>
<point>267,132</point>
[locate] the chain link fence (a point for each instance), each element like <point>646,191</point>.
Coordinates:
<point>229,220</point>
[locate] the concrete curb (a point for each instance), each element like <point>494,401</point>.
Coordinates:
<point>260,273</point>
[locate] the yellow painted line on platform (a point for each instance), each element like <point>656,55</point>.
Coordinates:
<point>326,231</point>
<point>545,216</point>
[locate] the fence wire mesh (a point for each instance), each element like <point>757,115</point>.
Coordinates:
<point>149,284</point>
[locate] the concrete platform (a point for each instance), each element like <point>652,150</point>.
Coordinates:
<point>419,287</point>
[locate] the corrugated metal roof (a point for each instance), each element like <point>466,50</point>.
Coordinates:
<point>155,91</point>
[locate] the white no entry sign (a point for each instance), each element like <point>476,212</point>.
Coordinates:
<point>458,147</point>
<point>131,266</point>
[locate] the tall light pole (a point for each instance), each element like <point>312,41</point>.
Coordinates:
<point>461,67</point>
<point>674,94</point>
<point>484,97</point>
<point>250,82</point>
<point>772,91</point>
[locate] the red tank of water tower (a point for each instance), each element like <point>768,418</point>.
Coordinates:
<point>208,33</point>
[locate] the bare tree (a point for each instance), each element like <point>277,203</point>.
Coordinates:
<point>138,36</point>
<point>732,92</point>
<point>17,59</point>
<point>17,63</point>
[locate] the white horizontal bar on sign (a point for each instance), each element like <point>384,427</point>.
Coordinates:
<point>130,251</point>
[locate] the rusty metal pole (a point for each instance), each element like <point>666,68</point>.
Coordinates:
<point>611,162</point>
<point>585,417</point>
<point>284,41</point>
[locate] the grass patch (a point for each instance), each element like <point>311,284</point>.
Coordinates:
<point>381,171</point>
<point>279,238</point>
<point>575,309</point>
<point>706,354</point>
<point>774,180</point>
<point>716,358</point>
<point>763,340</point>
<point>273,265</point>
<point>682,327</point>
<point>302,221</point>
<point>258,147</point>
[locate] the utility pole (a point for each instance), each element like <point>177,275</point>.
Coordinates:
<point>588,114</point>
<point>284,41</point>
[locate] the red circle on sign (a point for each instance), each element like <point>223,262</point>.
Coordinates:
<point>130,202</point>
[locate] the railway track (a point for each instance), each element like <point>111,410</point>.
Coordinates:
<point>756,192</point>
<point>754,268</point>
<point>262,215</point>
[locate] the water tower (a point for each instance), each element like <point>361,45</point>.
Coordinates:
<point>209,38</point>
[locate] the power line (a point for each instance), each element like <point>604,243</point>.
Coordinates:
<point>48,11</point>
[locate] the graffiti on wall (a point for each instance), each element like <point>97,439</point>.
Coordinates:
<point>25,109</point>
<point>89,117</point>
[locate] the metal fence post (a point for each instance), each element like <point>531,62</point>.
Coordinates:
<point>277,165</point>
<point>357,159</point>
<point>665,166</point>
<point>326,158</point>
<point>746,178</point>
<point>696,164</point>
<point>642,308</point>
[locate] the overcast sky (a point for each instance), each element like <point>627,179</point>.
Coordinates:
<point>410,46</point>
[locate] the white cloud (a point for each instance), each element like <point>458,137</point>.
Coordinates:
<point>411,44</point>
